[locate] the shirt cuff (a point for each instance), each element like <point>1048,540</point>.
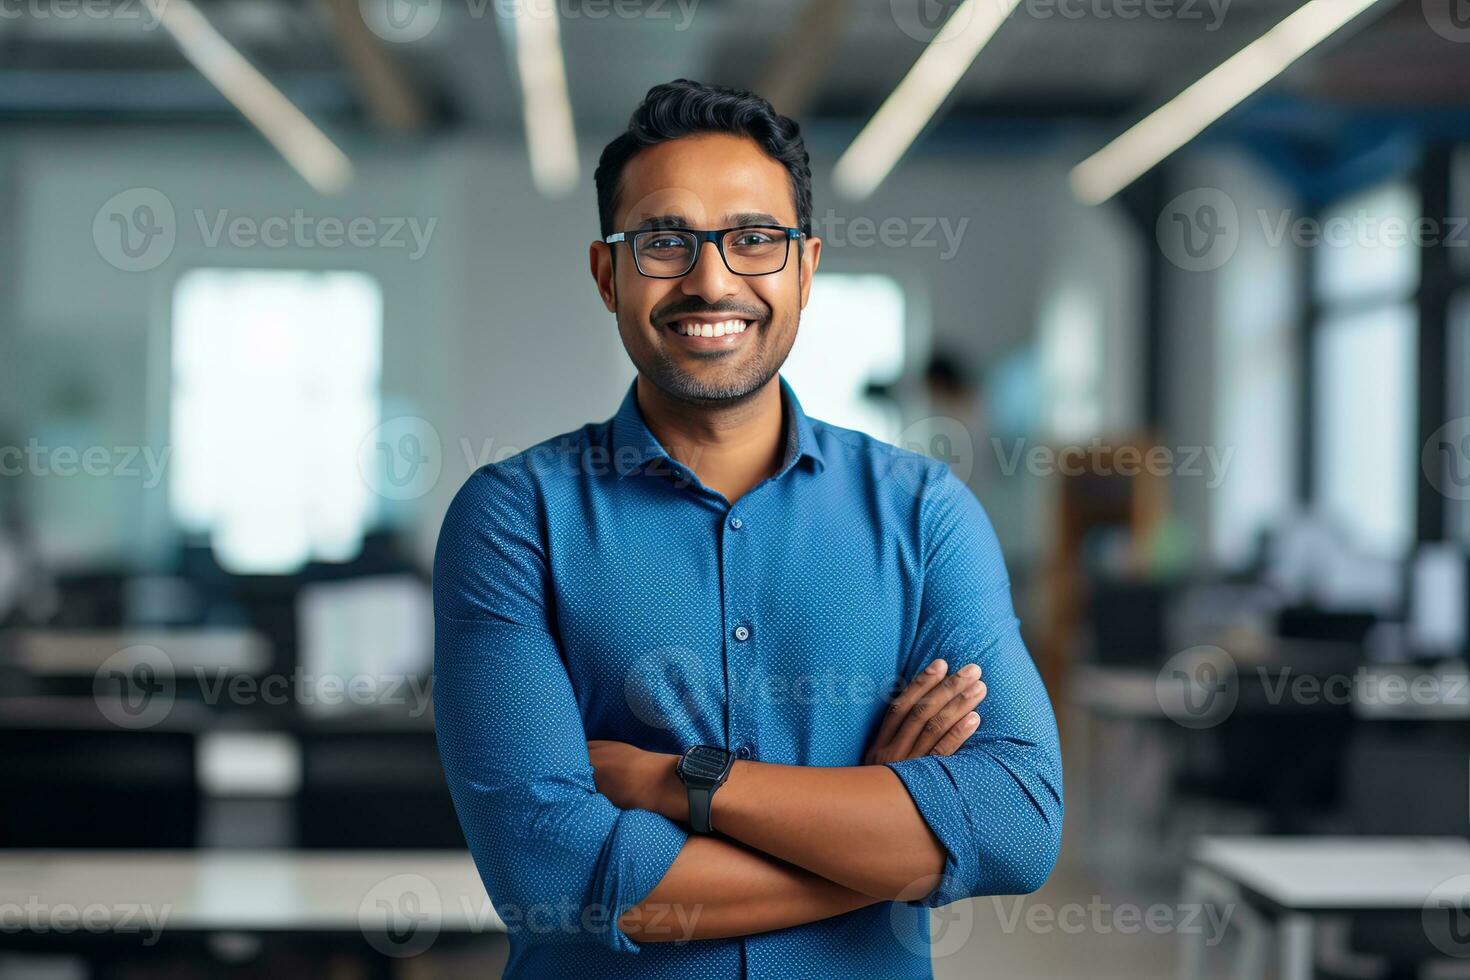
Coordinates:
<point>939,800</point>
<point>643,846</point>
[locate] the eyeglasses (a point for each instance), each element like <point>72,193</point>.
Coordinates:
<point>668,253</point>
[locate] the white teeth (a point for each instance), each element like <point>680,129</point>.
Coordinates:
<point>690,329</point>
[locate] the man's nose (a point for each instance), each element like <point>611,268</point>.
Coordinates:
<point>711,279</point>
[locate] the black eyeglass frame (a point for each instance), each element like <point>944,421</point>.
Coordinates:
<point>716,236</point>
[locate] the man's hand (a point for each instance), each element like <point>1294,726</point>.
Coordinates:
<point>636,779</point>
<point>933,716</point>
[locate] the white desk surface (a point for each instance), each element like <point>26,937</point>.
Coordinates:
<point>245,890</point>
<point>1382,873</point>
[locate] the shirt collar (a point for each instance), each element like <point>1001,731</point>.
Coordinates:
<point>633,444</point>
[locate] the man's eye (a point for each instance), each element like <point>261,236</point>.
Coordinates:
<point>750,238</point>
<point>666,243</point>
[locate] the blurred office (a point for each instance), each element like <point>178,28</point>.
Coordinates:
<point>1180,288</point>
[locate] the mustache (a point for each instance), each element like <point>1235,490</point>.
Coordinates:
<point>695,308</point>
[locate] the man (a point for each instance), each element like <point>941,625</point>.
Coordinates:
<point>666,643</point>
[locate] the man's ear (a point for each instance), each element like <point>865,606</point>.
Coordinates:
<point>604,273</point>
<point>811,254</point>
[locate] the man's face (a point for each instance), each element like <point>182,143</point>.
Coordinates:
<point>707,181</point>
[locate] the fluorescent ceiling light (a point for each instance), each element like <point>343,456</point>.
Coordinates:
<point>1184,117</point>
<point>898,122</point>
<point>545,104</point>
<point>305,147</point>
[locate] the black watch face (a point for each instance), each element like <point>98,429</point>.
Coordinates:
<point>704,764</point>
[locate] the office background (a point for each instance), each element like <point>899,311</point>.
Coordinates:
<point>277,275</point>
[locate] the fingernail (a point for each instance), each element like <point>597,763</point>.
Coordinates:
<point>934,667</point>
<point>970,670</point>
<point>973,690</point>
<point>972,719</point>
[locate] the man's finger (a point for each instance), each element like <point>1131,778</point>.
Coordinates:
<point>940,723</point>
<point>929,705</point>
<point>958,733</point>
<point>922,683</point>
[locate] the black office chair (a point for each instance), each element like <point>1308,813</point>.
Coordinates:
<point>372,790</point>
<point>115,788</point>
<point>1404,778</point>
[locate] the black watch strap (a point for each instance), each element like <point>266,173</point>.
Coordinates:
<point>703,769</point>
<point>699,807</point>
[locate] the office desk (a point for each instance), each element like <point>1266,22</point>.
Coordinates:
<point>1289,881</point>
<point>399,901</point>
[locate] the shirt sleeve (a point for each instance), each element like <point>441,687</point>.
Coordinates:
<point>996,804</point>
<point>560,862</point>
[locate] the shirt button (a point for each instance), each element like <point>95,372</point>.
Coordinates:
<point>736,523</point>
<point>742,633</point>
<point>743,752</point>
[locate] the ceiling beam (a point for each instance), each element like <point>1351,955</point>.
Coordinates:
<point>391,101</point>
<point>791,76</point>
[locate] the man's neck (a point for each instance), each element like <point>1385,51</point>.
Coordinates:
<point>730,448</point>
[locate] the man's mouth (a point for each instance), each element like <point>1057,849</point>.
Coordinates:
<point>704,326</point>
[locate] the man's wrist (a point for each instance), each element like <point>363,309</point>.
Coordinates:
<point>670,797</point>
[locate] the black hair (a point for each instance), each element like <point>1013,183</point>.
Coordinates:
<point>687,108</point>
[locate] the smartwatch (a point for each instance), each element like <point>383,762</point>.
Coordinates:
<point>703,769</point>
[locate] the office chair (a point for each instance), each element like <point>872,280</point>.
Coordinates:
<point>374,789</point>
<point>112,788</point>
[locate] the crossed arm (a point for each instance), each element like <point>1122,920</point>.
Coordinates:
<point>597,826</point>
<point>818,841</point>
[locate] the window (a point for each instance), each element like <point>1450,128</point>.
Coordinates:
<point>274,386</point>
<point>1364,371</point>
<point>852,334</point>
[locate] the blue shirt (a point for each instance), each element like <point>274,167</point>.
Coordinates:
<point>592,587</point>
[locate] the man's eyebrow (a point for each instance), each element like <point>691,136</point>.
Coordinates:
<point>739,218</point>
<point>663,221</point>
<point>734,219</point>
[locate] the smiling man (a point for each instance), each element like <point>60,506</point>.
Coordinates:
<point>706,672</point>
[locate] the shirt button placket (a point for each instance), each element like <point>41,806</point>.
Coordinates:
<point>737,644</point>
